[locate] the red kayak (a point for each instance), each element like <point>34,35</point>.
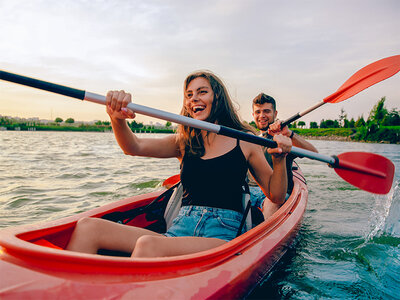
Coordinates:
<point>34,264</point>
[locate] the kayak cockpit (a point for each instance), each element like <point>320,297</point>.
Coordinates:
<point>40,247</point>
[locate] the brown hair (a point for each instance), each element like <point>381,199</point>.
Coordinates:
<point>263,98</point>
<point>222,112</point>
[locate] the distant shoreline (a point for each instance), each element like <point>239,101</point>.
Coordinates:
<point>326,134</point>
<point>81,128</point>
<point>387,135</point>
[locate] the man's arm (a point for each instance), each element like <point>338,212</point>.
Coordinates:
<point>298,141</point>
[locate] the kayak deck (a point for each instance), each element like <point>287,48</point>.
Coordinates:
<point>34,257</point>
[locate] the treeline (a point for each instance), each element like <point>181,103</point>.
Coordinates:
<point>379,116</point>
<point>70,125</point>
<point>381,125</point>
<point>139,127</point>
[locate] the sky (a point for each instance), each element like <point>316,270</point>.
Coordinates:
<point>299,52</point>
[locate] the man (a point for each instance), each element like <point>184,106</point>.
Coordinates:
<point>264,114</point>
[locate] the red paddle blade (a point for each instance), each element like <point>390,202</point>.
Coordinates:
<point>169,182</point>
<point>367,171</point>
<point>364,78</point>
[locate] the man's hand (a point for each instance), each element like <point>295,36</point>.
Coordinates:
<point>275,128</point>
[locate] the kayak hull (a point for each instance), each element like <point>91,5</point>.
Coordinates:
<point>33,264</point>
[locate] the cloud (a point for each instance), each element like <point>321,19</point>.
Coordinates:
<point>298,51</point>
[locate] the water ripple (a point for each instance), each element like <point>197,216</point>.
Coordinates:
<point>348,246</point>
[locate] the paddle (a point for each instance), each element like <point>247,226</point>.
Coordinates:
<point>169,182</point>
<point>374,173</point>
<point>362,79</point>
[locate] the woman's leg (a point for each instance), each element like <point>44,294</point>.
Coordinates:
<point>160,246</point>
<point>92,234</point>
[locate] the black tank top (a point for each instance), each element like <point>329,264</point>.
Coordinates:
<point>215,182</point>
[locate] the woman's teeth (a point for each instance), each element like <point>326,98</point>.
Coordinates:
<point>197,108</point>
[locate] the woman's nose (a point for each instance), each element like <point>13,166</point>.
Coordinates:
<point>195,97</point>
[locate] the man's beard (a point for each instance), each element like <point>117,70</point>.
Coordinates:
<point>265,128</point>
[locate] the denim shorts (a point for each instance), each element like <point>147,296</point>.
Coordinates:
<point>256,196</point>
<point>202,221</point>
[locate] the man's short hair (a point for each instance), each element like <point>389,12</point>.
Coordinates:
<point>263,98</point>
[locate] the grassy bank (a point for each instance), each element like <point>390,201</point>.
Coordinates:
<point>371,133</point>
<point>82,127</point>
<point>385,134</point>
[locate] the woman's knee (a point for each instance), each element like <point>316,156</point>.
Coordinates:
<point>148,246</point>
<point>84,237</point>
<point>87,225</point>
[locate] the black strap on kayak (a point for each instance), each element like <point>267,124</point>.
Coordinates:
<point>244,217</point>
<point>252,215</point>
<point>154,209</point>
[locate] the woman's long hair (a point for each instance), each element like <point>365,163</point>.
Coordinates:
<point>222,112</point>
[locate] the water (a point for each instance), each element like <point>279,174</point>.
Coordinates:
<point>49,175</point>
<point>348,246</point>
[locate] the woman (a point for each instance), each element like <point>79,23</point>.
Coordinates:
<point>213,169</point>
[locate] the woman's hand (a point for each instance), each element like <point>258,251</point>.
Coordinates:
<point>284,146</point>
<point>116,102</point>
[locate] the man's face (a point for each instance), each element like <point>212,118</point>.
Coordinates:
<point>263,115</point>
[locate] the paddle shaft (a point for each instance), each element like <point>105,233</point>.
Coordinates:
<point>344,165</point>
<point>152,112</point>
<point>300,114</point>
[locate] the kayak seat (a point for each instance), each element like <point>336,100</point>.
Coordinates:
<point>152,212</point>
<point>164,209</point>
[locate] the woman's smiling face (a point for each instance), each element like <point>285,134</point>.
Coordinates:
<point>198,98</point>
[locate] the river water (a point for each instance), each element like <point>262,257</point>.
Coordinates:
<point>348,246</point>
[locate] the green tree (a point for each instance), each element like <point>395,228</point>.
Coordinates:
<point>70,121</point>
<point>360,122</point>
<point>135,125</point>
<point>352,123</point>
<point>332,123</point>
<point>313,125</point>
<point>301,124</point>
<point>392,118</point>
<point>168,124</point>
<point>98,123</point>
<point>58,120</point>
<point>378,112</point>
<point>5,121</point>
<point>329,124</point>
